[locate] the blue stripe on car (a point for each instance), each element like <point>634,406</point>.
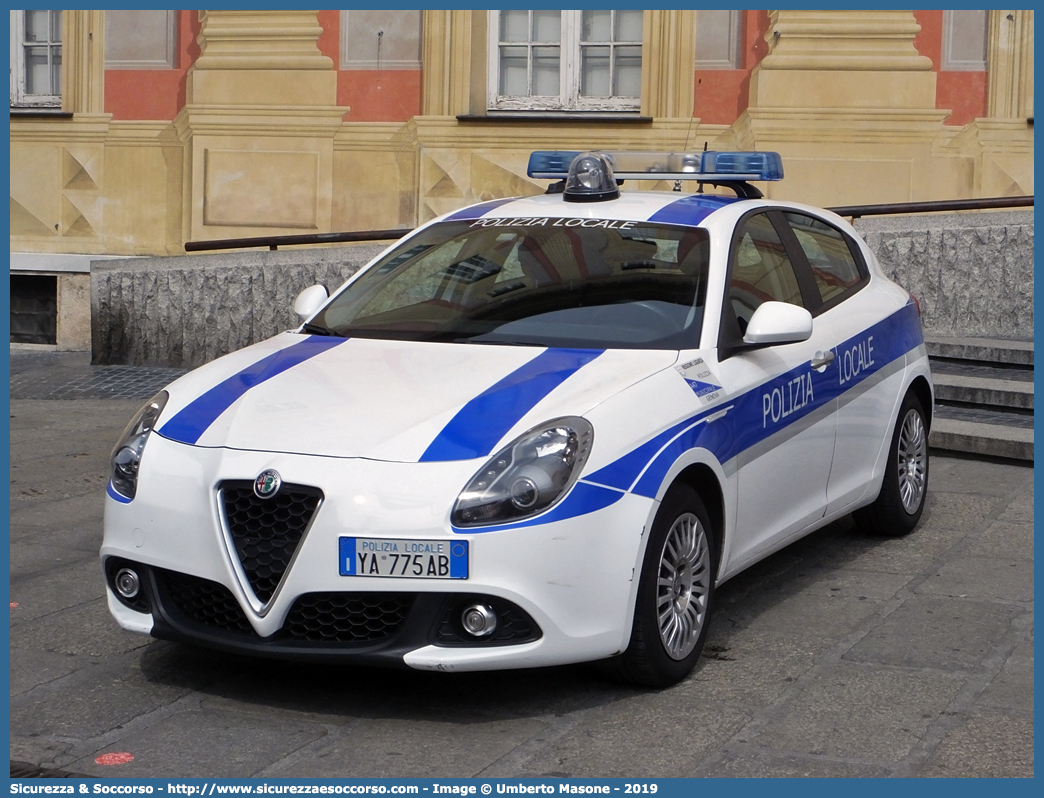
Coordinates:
<point>744,427</point>
<point>584,498</point>
<point>478,211</point>
<point>113,494</point>
<point>189,424</point>
<point>691,209</point>
<point>481,423</point>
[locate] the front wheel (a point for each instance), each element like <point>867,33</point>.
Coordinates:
<point>898,507</point>
<point>675,595</point>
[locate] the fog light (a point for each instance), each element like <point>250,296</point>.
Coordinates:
<point>479,620</point>
<point>127,583</point>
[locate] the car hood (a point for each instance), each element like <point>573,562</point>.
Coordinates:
<point>391,400</point>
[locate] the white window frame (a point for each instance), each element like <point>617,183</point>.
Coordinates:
<point>19,97</point>
<point>569,98</point>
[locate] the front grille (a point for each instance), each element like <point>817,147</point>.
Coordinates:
<point>347,617</point>
<point>267,532</point>
<point>202,601</point>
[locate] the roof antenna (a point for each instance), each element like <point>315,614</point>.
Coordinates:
<point>699,190</point>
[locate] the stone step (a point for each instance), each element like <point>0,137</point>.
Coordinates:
<point>999,351</point>
<point>987,391</point>
<point>984,432</point>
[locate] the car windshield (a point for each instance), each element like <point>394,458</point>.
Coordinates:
<point>584,283</point>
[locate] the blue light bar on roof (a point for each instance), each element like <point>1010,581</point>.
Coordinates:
<point>705,167</point>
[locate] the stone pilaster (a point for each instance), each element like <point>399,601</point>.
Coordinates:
<point>1010,56</point>
<point>259,127</point>
<point>453,54</point>
<point>849,102</point>
<point>669,49</point>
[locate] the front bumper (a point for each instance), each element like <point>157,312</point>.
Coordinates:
<point>566,587</point>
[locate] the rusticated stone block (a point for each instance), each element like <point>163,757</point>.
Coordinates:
<point>185,311</point>
<point>971,272</point>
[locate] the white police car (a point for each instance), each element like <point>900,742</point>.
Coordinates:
<point>535,431</point>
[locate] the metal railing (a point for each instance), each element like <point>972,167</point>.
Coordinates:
<point>852,211</point>
<point>933,206</point>
<point>274,242</point>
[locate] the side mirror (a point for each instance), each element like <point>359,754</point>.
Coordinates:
<point>309,301</point>
<point>778,323</point>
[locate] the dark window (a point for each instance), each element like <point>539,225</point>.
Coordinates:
<point>34,309</point>
<point>827,249</point>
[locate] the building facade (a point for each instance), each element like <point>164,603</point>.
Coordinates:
<point>133,132</point>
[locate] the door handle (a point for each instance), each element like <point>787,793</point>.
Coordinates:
<point>822,359</point>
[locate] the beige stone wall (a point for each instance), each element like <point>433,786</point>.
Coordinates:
<point>261,147</point>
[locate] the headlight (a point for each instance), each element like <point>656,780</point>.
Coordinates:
<point>527,476</point>
<point>126,455</point>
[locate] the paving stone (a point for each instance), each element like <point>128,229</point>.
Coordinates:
<point>855,711</point>
<point>31,668</point>
<point>70,375</point>
<point>803,616</point>
<point>402,748</point>
<point>1012,688</point>
<point>42,595</point>
<point>51,509</point>
<point>80,629</point>
<point>204,744</point>
<point>986,745</point>
<point>90,702</point>
<point>1021,507</point>
<point>749,668</point>
<point>1004,539</point>
<point>37,750</point>
<point>929,632</point>
<point>664,734</point>
<point>982,578</point>
<point>748,761</point>
<point>41,552</point>
<point>981,477</point>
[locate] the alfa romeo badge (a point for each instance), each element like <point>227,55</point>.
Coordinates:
<point>267,484</point>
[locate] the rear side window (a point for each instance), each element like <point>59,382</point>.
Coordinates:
<point>829,254</point>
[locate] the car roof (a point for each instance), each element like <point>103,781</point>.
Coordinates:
<point>664,207</point>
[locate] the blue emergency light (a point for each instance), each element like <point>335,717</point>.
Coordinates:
<point>704,167</point>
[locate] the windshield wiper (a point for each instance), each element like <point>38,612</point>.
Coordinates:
<point>318,329</point>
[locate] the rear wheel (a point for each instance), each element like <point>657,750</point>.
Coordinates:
<point>898,507</point>
<point>675,595</point>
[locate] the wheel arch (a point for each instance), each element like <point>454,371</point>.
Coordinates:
<point>701,478</point>
<point>923,391</point>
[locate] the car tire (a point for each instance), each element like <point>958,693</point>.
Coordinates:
<point>900,503</point>
<point>675,595</point>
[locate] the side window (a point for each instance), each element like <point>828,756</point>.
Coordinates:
<point>761,270</point>
<point>833,265</point>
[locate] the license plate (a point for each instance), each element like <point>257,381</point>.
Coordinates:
<point>405,559</point>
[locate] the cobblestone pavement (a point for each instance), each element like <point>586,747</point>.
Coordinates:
<point>70,375</point>
<point>842,655</point>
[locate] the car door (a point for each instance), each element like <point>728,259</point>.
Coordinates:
<point>868,379</point>
<point>782,417</point>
